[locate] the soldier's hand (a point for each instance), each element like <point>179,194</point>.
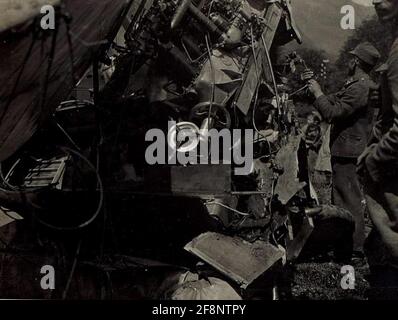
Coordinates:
<point>307,75</point>
<point>315,88</point>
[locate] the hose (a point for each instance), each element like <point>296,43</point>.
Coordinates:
<point>100,201</point>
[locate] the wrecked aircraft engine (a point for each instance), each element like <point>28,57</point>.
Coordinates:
<point>84,188</point>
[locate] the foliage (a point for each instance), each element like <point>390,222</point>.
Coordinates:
<point>371,30</point>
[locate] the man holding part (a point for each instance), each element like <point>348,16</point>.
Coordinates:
<point>350,115</point>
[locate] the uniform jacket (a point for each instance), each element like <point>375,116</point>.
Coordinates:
<point>385,133</point>
<point>350,115</point>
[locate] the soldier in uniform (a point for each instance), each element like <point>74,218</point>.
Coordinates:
<point>350,114</point>
<point>379,167</point>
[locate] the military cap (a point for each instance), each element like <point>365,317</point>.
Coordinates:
<point>367,53</point>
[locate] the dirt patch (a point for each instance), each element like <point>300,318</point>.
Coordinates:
<point>322,281</point>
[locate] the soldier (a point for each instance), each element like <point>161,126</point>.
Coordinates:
<point>379,167</point>
<point>349,113</point>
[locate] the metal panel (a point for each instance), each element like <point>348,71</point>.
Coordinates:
<point>289,182</point>
<point>239,260</point>
<point>297,244</point>
<point>8,216</point>
<point>272,18</point>
<point>195,180</point>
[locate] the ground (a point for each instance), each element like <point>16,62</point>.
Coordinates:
<point>322,280</point>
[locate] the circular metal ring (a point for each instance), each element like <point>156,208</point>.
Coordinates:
<point>179,132</point>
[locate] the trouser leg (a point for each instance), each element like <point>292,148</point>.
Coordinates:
<point>382,202</point>
<point>382,244</point>
<point>347,194</point>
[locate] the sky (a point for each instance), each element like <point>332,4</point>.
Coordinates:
<point>319,22</point>
<point>366,3</point>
